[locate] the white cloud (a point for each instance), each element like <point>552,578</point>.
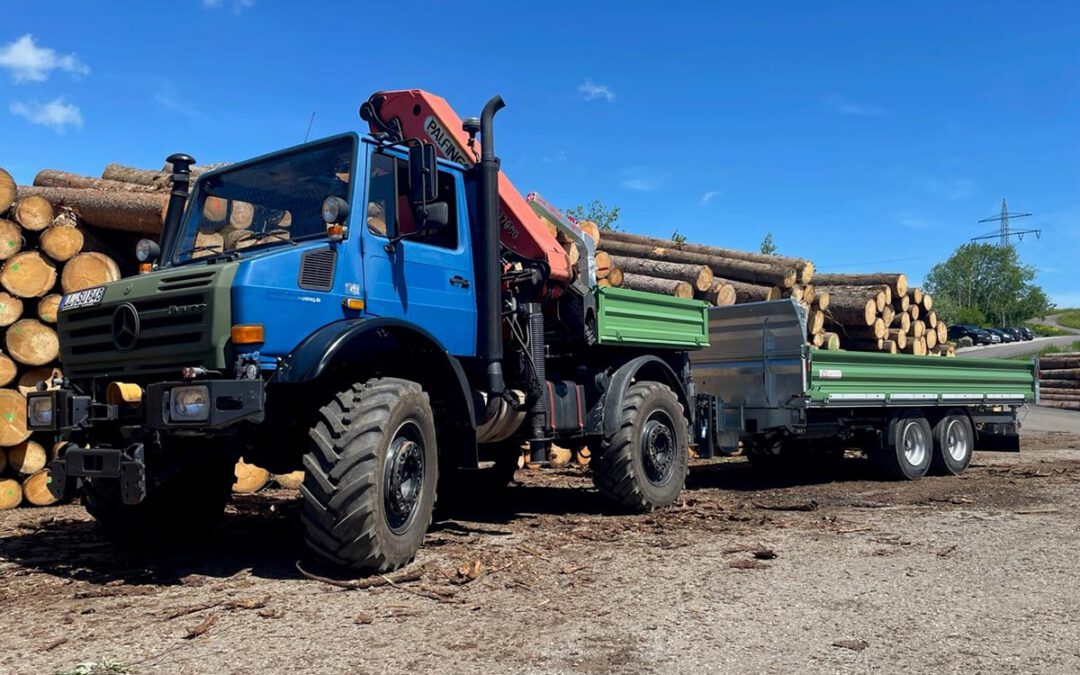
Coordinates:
<point>845,106</point>
<point>237,5</point>
<point>56,114</point>
<point>31,63</point>
<point>592,91</point>
<point>640,181</point>
<point>709,196</point>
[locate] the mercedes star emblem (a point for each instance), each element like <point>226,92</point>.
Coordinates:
<point>125,326</point>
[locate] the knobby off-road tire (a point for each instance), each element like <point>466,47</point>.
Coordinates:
<point>371,473</point>
<point>954,441</point>
<point>643,464</point>
<point>188,503</point>
<point>907,447</point>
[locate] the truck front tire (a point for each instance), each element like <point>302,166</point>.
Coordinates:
<point>371,473</point>
<point>907,447</point>
<point>643,464</point>
<point>954,441</point>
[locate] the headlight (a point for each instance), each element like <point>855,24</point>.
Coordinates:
<point>39,411</point>
<point>190,404</point>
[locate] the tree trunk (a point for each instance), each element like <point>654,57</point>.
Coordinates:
<point>898,336</point>
<point>916,346</point>
<point>591,230</point>
<point>1059,384</point>
<point>63,179</point>
<point>12,418</point>
<point>119,246</point>
<point>7,191</point>
<point>29,380</point>
<point>817,339</point>
<point>931,339</point>
<point>894,280</point>
<point>127,211</point>
<point>249,478</point>
<point>745,292</point>
<point>28,275</point>
<point>1051,361</point>
<point>822,299</point>
<point>34,213</point>
<point>10,493</point>
<point>931,320</point>
<point>1059,373</point>
<point>639,282</point>
<point>572,252</point>
<point>87,270</point>
<point>875,331</point>
<point>698,276</point>
<point>832,341</point>
<point>927,302</point>
<point>11,238</point>
<point>914,312</point>
<point>915,296</point>
<point>729,268</point>
<point>61,242</point>
<point>889,347</point>
<point>901,305</point>
<point>723,294</point>
<point>8,370</point>
<point>861,344</point>
<point>918,329</point>
<point>804,269</point>
<point>1059,393</point>
<point>849,310</point>
<point>48,306</point>
<point>615,277</point>
<point>603,264</point>
<point>36,489</point>
<point>815,321</point>
<point>32,343</point>
<point>888,315</point>
<point>27,457</point>
<point>905,323</point>
<point>11,309</point>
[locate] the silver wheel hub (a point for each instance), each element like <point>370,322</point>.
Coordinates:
<point>957,443</point>
<point>916,446</point>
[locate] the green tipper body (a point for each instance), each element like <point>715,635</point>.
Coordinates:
<point>639,319</point>
<point>841,377</point>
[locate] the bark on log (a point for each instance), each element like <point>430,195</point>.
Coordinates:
<point>639,282</point>
<point>1060,384</point>
<point>745,292</point>
<point>698,276</point>
<point>10,493</point>
<point>931,320</point>
<point>1062,405</point>
<point>875,331</point>
<point>160,180</point>
<point>902,304</point>
<point>249,478</point>
<point>7,191</point>
<point>36,489</point>
<point>603,264</point>
<point>127,211</point>
<point>889,347</point>
<point>87,270</point>
<point>831,341</point>
<point>895,280</point>
<point>61,242</point>
<point>804,269</point>
<point>1059,393</point>
<point>861,344</point>
<point>615,277</point>
<point>63,179</point>
<point>48,306</point>
<point>849,310</point>
<point>915,296</point>
<point>728,268</point>
<point>11,238</point>
<point>1051,361</point>
<point>1059,373</point>
<point>11,309</point>
<point>27,457</point>
<point>8,370</point>
<point>12,418</point>
<point>916,346</point>
<point>28,275</point>
<point>898,336</point>
<point>721,293</point>
<point>32,343</point>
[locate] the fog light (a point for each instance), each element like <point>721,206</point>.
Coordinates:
<point>39,411</point>
<point>190,404</point>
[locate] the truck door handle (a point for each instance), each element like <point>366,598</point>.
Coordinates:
<point>458,280</point>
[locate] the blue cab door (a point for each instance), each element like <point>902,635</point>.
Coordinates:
<point>428,278</point>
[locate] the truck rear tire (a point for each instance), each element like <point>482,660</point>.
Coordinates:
<point>643,465</point>
<point>954,441</point>
<point>907,447</point>
<point>371,473</point>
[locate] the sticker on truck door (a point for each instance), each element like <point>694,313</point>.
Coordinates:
<point>86,298</point>
<point>830,374</point>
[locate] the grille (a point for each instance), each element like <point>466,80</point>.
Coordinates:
<point>317,269</point>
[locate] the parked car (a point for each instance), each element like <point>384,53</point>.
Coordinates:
<point>977,335</point>
<point>1028,333</point>
<point>1016,333</point>
<point>1002,333</point>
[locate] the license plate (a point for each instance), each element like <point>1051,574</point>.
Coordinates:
<point>87,298</point>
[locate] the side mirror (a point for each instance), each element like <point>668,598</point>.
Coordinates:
<point>433,216</point>
<point>423,174</point>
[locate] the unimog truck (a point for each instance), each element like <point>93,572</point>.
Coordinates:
<point>389,314</point>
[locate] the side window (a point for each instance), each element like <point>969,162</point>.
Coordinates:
<point>389,203</point>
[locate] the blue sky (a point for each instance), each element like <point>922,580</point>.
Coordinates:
<point>865,136</point>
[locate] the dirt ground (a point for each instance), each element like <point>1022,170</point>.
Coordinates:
<point>749,574</point>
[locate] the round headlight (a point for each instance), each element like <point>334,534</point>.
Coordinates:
<point>147,250</point>
<point>190,403</point>
<point>334,210</point>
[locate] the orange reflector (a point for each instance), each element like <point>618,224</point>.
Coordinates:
<point>146,268</point>
<point>123,392</point>
<point>353,303</point>
<point>248,334</point>
<point>335,232</point>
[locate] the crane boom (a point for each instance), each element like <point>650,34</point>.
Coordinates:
<point>413,113</point>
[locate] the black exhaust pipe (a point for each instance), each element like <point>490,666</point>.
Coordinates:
<point>489,270</point>
<point>181,178</point>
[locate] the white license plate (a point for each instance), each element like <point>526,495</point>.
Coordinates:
<point>87,298</point>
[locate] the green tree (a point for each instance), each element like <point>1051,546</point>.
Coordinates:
<point>988,282</point>
<point>767,245</point>
<point>604,217</point>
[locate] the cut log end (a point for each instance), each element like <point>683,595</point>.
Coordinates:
<point>32,343</point>
<point>34,213</point>
<point>87,270</point>
<point>28,275</point>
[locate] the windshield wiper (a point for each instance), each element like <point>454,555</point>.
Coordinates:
<point>259,237</point>
<point>198,249</point>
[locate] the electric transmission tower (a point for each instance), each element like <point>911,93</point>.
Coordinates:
<point>1004,231</point>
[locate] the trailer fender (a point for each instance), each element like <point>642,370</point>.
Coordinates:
<point>641,368</point>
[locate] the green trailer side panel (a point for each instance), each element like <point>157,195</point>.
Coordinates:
<point>639,319</point>
<point>839,376</point>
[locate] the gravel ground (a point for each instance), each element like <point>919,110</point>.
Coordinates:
<point>749,573</point>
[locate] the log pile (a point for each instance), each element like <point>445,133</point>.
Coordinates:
<point>865,312</point>
<point>1059,380</point>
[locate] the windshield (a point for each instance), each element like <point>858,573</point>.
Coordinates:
<point>267,202</point>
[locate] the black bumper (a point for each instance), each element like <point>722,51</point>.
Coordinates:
<point>127,465</point>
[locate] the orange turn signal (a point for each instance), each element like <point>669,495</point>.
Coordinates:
<point>248,334</point>
<point>353,303</point>
<point>146,268</point>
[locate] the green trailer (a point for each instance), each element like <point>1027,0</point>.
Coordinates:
<point>759,385</point>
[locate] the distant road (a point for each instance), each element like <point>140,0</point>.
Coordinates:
<point>1011,349</point>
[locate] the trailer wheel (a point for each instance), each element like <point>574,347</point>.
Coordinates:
<point>907,447</point>
<point>954,441</point>
<point>643,465</point>
<point>371,470</point>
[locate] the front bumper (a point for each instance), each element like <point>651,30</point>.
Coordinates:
<point>228,402</point>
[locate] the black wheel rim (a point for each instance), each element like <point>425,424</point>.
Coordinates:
<point>658,447</point>
<point>403,477</point>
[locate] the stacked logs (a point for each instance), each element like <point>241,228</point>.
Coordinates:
<point>1059,380</point>
<point>45,251</point>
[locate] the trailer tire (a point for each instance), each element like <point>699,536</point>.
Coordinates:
<point>371,474</point>
<point>643,464</point>
<point>907,446</point>
<point>954,442</point>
